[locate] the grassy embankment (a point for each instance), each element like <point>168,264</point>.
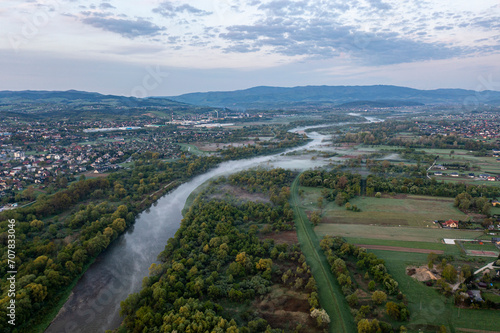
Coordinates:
<point>330,295</point>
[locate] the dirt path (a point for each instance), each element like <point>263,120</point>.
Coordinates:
<point>475,331</point>
<point>398,249</point>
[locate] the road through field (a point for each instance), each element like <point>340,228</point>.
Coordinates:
<point>330,295</point>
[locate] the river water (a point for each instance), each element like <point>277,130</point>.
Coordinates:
<point>94,303</point>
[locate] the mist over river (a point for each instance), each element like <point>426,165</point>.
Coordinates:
<point>94,303</point>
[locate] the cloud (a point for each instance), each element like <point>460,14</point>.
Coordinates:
<point>125,27</point>
<point>169,9</point>
<point>486,23</point>
<point>378,4</point>
<point>324,39</point>
<point>106,5</point>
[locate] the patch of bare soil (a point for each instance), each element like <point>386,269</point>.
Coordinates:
<point>210,146</point>
<point>475,331</point>
<point>288,237</point>
<point>353,220</point>
<point>243,194</point>
<point>421,273</point>
<point>398,249</point>
<point>70,238</point>
<point>285,309</point>
<point>91,174</point>
<point>405,196</point>
<point>239,193</point>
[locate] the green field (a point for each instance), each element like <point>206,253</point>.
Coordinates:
<point>476,246</point>
<point>448,249</point>
<point>487,164</point>
<point>418,211</point>
<point>192,149</point>
<point>491,297</point>
<point>428,308</point>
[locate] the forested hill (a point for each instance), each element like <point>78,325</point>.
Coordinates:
<point>74,104</point>
<point>74,97</point>
<point>279,97</point>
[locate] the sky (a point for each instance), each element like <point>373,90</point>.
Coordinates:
<point>148,48</point>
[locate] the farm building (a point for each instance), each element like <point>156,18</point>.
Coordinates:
<point>438,173</point>
<point>475,295</point>
<point>492,179</point>
<point>495,203</point>
<point>450,224</point>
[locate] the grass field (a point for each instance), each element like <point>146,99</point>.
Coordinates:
<point>492,297</point>
<point>192,149</point>
<point>330,294</point>
<point>448,249</point>
<point>418,211</point>
<point>487,164</point>
<point>428,308</point>
<point>476,246</point>
<point>431,235</point>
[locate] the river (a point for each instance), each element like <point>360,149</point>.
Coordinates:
<point>94,303</point>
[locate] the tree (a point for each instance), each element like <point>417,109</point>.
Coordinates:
<point>352,299</point>
<point>391,285</point>
<point>486,209</point>
<point>340,199</point>
<point>371,285</point>
<point>467,271</point>
<point>392,310</point>
<point>320,202</point>
<point>432,257</point>
<point>368,326</point>
<point>379,297</point>
<point>315,218</point>
<point>450,273</point>
<point>36,225</point>
<point>339,266</point>
<point>321,317</point>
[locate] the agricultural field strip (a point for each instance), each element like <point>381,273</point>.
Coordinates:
<point>398,249</point>
<point>410,234</point>
<point>304,234</point>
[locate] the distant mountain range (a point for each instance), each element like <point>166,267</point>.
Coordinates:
<point>74,104</point>
<point>79,98</point>
<point>78,103</point>
<point>381,95</point>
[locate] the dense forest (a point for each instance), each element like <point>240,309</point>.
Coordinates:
<point>387,134</point>
<point>219,271</point>
<point>345,185</point>
<point>371,292</point>
<point>59,235</point>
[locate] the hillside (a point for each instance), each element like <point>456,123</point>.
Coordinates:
<point>278,97</point>
<point>87,105</point>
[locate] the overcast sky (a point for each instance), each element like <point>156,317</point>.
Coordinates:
<point>165,48</point>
